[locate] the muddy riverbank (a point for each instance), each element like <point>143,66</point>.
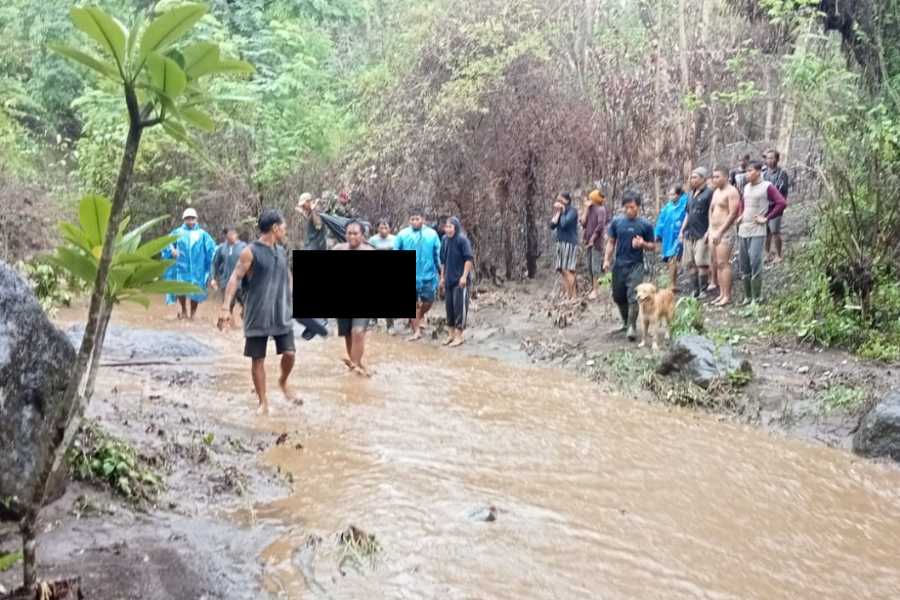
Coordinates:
<point>594,494</point>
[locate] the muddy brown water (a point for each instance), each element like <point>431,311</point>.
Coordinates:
<point>597,497</point>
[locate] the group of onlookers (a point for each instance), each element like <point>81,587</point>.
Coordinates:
<point>699,228</point>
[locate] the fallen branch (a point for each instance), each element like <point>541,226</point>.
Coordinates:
<point>137,363</point>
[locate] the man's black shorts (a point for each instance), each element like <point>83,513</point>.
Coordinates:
<point>255,347</point>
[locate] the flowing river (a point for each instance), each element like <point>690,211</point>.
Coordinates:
<point>595,496</point>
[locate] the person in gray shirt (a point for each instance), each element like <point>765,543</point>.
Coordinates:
<point>224,261</point>
<point>262,270</point>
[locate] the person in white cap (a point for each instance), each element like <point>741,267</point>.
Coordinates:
<point>193,253</point>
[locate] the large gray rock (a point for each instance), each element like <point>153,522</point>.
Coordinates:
<point>128,343</point>
<point>699,359</point>
<point>35,361</point>
<point>879,429</point>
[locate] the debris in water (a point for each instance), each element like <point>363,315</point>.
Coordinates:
<point>488,514</point>
<point>281,439</point>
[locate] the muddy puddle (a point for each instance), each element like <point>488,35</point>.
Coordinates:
<point>595,496</point>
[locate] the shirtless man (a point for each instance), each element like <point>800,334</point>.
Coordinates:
<point>723,212</point>
<point>354,330</point>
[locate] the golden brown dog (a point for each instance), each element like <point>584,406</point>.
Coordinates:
<point>655,307</point>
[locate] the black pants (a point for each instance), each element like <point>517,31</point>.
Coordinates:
<point>457,303</point>
<point>625,280</point>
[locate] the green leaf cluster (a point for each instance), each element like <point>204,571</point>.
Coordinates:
<point>136,271</point>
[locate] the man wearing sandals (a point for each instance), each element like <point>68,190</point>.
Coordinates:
<point>455,279</point>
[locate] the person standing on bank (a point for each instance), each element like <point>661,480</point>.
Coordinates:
<point>565,222</point>
<point>628,237</point>
<point>456,278</point>
<point>596,220</point>
<point>193,253</point>
<point>779,178</point>
<point>224,261</point>
<point>693,232</point>
<point>425,241</point>
<point>668,228</point>
<point>384,240</point>
<point>263,271</point>
<point>354,330</point>
<point>762,202</point>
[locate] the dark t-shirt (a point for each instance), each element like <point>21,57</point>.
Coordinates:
<point>698,214</point>
<point>623,230</point>
<point>455,251</point>
<point>315,238</point>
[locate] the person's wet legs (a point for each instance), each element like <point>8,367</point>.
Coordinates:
<point>258,373</point>
<point>182,302</point>
<point>194,305</point>
<point>287,365</point>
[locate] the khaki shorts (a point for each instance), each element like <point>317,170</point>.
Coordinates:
<point>696,254</point>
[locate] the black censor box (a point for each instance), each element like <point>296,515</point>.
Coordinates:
<point>351,284</point>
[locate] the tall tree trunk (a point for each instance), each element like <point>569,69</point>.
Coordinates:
<point>506,224</point>
<point>532,251</point>
<point>786,132</point>
<point>685,129</point>
<point>770,101</point>
<point>81,384</point>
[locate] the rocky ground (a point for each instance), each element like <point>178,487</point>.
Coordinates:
<point>186,542</point>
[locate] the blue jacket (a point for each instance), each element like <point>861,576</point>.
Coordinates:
<point>427,244</point>
<point>668,225</point>
<point>194,262</point>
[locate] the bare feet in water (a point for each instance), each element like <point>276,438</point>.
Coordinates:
<point>361,371</point>
<point>414,337</point>
<point>263,410</point>
<point>457,342</point>
<point>349,363</point>
<point>289,393</point>
<point>448,341</point>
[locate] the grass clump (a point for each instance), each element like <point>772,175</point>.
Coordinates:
<point>688,317</point>
<point>98,457</point>
<point>842,398</point>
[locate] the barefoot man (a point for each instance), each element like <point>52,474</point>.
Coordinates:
<point>723,212</point>
<point>263,270</point>
<point>354,330</point>
<point>427,244</point>
<point>456,277</point>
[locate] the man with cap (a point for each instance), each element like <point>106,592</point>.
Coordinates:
<point>193,253</point>
<point>315,237</point>
<point>693,232</point>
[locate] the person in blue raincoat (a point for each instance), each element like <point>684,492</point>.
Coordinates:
<point>668,225</point>
<point>193,253</point>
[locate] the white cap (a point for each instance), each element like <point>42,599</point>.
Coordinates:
<point>189,212</point>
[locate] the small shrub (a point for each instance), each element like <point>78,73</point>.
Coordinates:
<point>842,398</point>
<point>51,287</point>
<point>96,456</point>
<point>8,561</point>
<point>688,317</point>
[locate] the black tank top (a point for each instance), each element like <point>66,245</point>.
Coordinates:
<point>267,297</point>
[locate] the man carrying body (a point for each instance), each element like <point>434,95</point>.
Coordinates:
<point>384,240</point>
<point>316,234</point>
<point>424,240</point>
<point>693,232</point>
<point>779,178</point>
<point>193,253</point>
<point>455,279</point>
<point>224,261</point>
<point>723,212</point>
<point>628,237</point>
<point>354,330</point>
<point>762,202</point>
<point>263,270</point>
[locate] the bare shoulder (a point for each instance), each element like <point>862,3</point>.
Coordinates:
<point>732,193</point>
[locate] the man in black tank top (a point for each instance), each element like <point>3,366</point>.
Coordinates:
<point>262,271</point>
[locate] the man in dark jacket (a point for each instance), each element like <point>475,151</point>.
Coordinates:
<point>224,261</point>
<point>456,276</point>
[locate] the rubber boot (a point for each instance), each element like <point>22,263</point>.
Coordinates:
<point>702,282</point>
<point>695,284</point>
<point>748,292</point>
<point>756,289</point>
<point>632,321</point>
<point>623,311</point>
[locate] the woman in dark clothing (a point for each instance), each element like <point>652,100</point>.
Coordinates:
<point>456,278</point>
<point>565,222</point>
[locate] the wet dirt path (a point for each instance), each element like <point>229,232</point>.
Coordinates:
<point>597,496</point>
